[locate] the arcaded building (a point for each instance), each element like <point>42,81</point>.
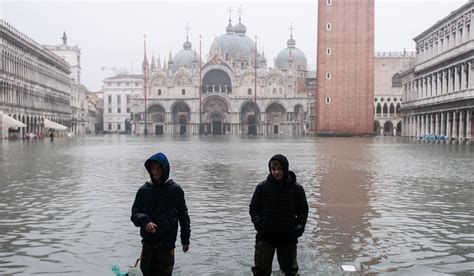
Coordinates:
<point>345,68</point>
<point>438,89</point>
<point>34,83</point>
<point>388,92</point>
<point>219,96</point>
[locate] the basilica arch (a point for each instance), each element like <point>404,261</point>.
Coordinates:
<point>215,111</point>
<point>216,81</point>
<point>157,115</point>
<point>249,118</point>
<point>275,115</point>
<point>180,116</point>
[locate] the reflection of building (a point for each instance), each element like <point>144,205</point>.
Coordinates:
<point>438,89</point>
<point>34,83</point>
<point>388,91</point>
<point>345,67</point>
<point>343,208</point>
<point>117,101</point>
<point>218,95</point>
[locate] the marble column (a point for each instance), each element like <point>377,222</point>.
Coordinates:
<point>455,126</point>
<point>468,125</point>
<point>448,125</point>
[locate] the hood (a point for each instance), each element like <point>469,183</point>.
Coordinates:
<point>284,165</point>
<point>160,158</point>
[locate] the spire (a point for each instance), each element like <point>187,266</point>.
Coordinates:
<point>291,42</point>
<point>158,62</point>
<point>170,59</point>
<point>240,28</point>
<point>187,45</point>
<point>64,38</point>
<point>145,59</point>
<point>164,65</point>
<point>153,64</point>
<point>230,29</point>
<point>240,13</point>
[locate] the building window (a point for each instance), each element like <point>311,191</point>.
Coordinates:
<point>109,99</point>
<point>329,2</point>
<point>159,92</point>
<point>119,110</point>
<point>119,126</point>
<point>119,99</point>
<point>128,99</point>
<point>110,126</point>
<point>183,92</point>
<point>328,26</point>
<point>328,76</point>
<point>119,83</point>
<point>328,51</point>
<point>110,110</point>
<point>249,91</point>
<point>328,100</point>
<point>136,84</point>
<point>128,109</point>
<point>396,80</point>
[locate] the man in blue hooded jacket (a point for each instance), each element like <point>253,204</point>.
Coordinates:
<point>158,207</point>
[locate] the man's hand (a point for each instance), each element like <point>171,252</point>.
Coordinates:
<point>185,248</point>
<point>150,227</point>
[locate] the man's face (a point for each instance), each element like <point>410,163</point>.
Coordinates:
<point>276,169</point>
<point>156,171</point>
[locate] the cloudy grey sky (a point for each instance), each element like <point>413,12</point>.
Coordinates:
<point>110,33</point>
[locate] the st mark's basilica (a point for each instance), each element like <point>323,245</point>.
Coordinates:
<point>226,100</point>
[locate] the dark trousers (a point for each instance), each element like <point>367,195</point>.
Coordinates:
<point>156,261</point>
<point>264,252</point>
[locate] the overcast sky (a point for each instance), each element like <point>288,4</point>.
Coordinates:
<point>110,33</point>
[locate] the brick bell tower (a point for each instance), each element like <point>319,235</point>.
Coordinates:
<point>345,68</point>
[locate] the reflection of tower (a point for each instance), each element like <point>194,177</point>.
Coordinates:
<point>345,67</point>
<point>344,205</point>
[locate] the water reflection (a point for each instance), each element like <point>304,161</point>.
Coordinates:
<point>343,209</point>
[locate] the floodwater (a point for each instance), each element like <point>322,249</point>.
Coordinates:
<point>388,206</point>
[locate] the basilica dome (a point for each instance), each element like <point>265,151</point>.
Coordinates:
<point>291,54</point>
<point>234,44</point>
<point>186,57</point>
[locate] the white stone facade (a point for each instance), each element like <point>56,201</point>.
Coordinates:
<point>118,92</point>
<point>34,83</point>
<point>218,97</point>
<point>439,88</point>
<point>79,124</point>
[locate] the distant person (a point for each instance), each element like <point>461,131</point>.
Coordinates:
<point>279,211</point>
<point>159,205</point>
<point>51,135</point>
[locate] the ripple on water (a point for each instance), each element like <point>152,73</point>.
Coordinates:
<point>376,204</point>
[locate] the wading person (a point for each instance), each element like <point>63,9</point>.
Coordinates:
<point>279,211</point>
<point>159,206</point>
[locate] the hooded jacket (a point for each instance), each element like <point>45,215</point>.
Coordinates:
<point>279,210</point>
<point>162,203</point>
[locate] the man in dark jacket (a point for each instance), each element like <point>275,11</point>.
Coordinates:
<point>279,211</point>
<point>159,205</point>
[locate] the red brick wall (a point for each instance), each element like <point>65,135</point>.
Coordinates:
<point>351,65</point>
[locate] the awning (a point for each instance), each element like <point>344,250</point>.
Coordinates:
<point>53,125</point>
<point>10,122</point>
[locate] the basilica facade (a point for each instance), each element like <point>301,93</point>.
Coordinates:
<point>234,92</point>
